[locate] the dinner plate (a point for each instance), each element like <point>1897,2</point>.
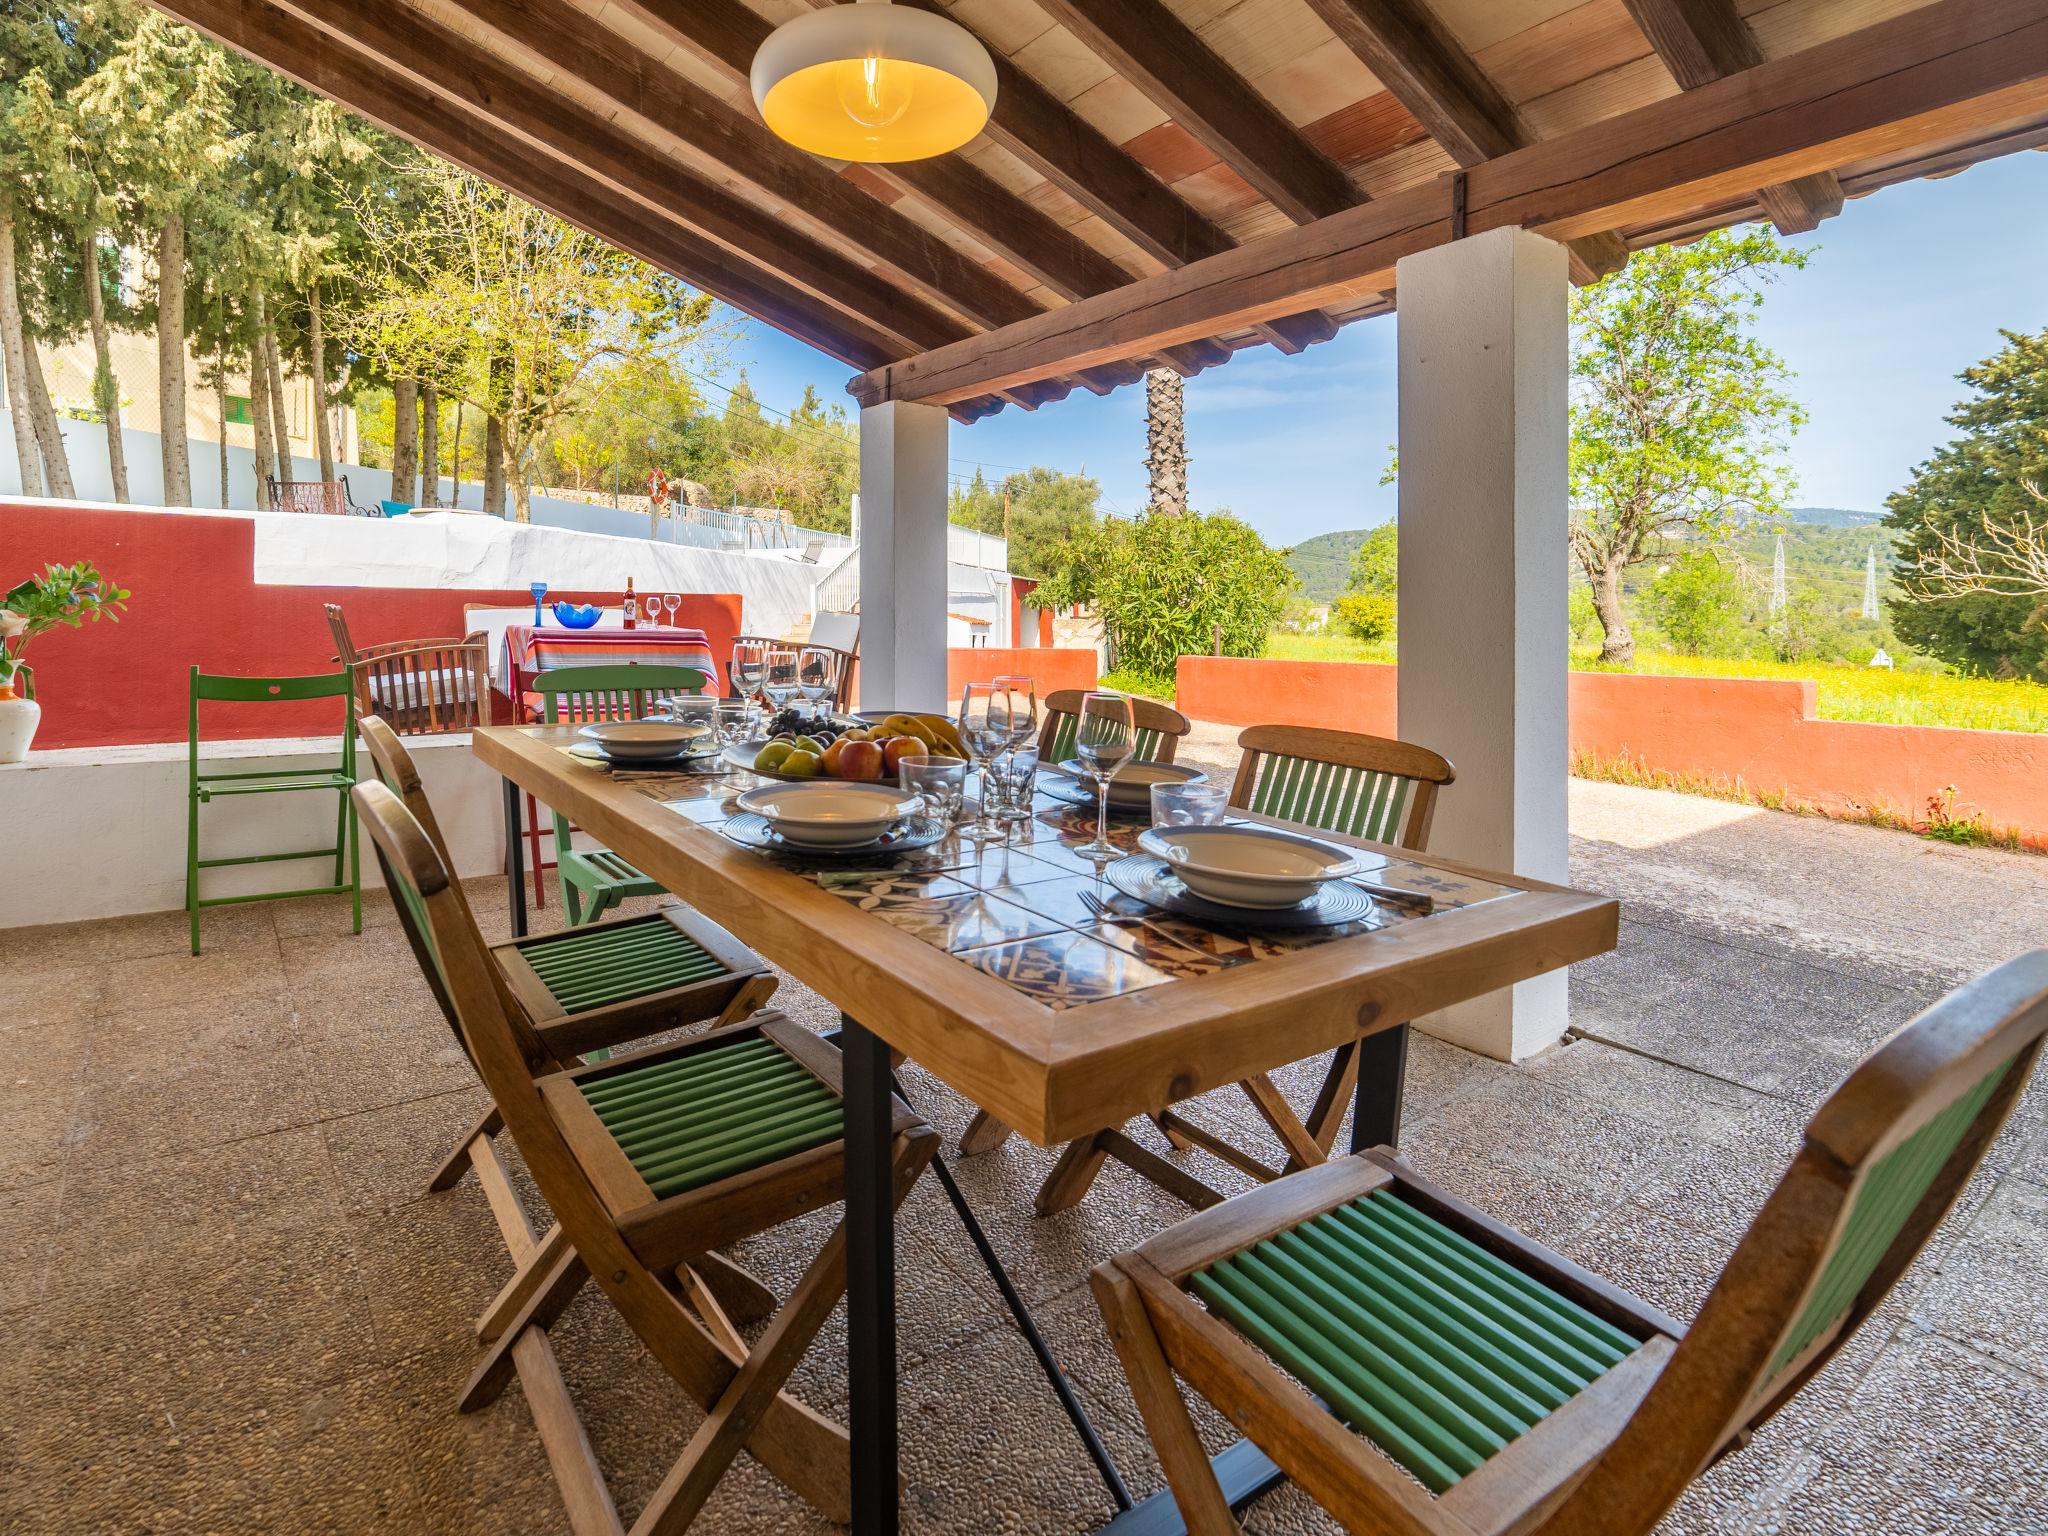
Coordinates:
<point>1146,879</point>
<point>829,813</point>
<point>1130,787</point>
<point>689,762</point>
<point>907,836</point>
<point>633,740</point>
<point>1245,866</point>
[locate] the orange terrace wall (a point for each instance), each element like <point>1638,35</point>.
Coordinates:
<point>1047,667</point>
<point>1737,734</point>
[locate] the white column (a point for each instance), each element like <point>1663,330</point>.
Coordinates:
<point>1484,362</point>
<point>903,556</point>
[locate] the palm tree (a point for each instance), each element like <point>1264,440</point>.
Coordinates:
<point>1166,444</point>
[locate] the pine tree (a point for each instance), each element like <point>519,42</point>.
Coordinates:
<point>1166,446</point>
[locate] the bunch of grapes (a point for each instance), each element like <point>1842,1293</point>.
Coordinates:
<point>802,722</point>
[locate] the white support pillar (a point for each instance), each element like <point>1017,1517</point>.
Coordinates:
<point>903,556</point>
<point>1484,373</point>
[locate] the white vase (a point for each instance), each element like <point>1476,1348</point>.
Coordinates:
<point>18,721</point>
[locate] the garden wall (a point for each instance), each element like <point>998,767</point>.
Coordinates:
<point>1756,735</point>
<point>1048,668</point>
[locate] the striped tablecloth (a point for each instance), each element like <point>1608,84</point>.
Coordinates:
<point>528,650</point>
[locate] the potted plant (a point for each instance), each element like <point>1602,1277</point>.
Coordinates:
<point>63,594</point>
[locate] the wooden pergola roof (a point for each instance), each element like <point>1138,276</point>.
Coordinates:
<point>1166,182</point>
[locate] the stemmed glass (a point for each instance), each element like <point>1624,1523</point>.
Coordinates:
<point>781,682</point>
<point>984,731</point>
<point>817,674</point>
<point>749,669</point>
<point>1013,712</point>
<point>539,589</point>
<point>1102,740</point>
<point>672,602</point>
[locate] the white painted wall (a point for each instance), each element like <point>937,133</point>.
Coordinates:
<point>100,831</point>
<point>1483,375</point>
<point>903,541</point>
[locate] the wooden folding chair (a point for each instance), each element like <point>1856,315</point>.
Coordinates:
<point>1159,728</point>
<point>649,1162</point>
<point>592,988</point>
<point>1325,781</point>
<point>421,686</point>
<point>1418,1367</point>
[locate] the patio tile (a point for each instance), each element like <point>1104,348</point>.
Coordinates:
<point>326,916</point>
<point>180,980</point>
<point>42,1065</point>
<point>430,1268</point>
<point>274,1185</point>
<point>1992,1291</point>
<point>188,1076</point>
<point>1662,1094</point>
<point>1936,1439</point>
<point>225,930</point>
<point>28,1219</point>
<point>476,1474</point>
<point>38,996</point>
<point>326,959</point>
<point>384,1045</point>
<point>1670,1266</point>
<point>382,1158</point>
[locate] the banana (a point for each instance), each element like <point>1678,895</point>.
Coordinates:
<point>946,733</point>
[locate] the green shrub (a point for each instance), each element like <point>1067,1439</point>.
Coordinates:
<point>1364,615</point>
<point>1146,684</point>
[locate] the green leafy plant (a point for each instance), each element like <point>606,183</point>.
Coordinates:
<point>1697,602</point>
<point>67,595</point>
<point>1367,615</point>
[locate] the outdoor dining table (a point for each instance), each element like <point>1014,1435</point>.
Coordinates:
<point>519,648</point>
<point>985,965</point>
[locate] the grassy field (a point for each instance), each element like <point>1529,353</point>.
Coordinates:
<point>1893,697</point>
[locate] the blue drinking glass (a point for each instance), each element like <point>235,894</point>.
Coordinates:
<point>539,589</point>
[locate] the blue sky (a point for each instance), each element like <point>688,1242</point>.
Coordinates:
<point>1905,288</point>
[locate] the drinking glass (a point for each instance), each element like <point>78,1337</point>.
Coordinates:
<point>539,589</point>
<point>1008,783</point>
<point>749,669</point>
<point>781,684</point>
<point>1102,740</point>
<point>672,602</point>
<point>984,730</point>
<point>817,674</point>
<point>940,782</point>
<point>1189,805</point>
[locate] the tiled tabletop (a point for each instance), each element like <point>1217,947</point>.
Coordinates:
<point>1014,909</point>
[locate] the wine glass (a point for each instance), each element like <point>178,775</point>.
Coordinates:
<point>749,669</point>
<point>672,602</point>
<point>1102,740</point>
<point>984,731</point>
<point>539,589</point>
<point>781,684</point>
<point>817,674</point>
<point>1013,713</point>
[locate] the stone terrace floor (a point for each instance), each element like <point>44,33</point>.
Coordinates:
<point>225,1305</point>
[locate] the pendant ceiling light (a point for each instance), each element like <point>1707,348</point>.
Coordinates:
<point>875,82</point>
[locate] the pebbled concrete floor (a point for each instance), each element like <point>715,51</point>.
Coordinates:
<point>225,1305</point>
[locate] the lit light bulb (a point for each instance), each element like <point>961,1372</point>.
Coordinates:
<point>873,92</point>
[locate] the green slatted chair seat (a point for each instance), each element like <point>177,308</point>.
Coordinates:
<point>690,1121</point>
<point>1414,1336</point>
<point>1889,1192</point>
<point>1066,726</point>
<point>1353,801</point>
<point>586,968</point>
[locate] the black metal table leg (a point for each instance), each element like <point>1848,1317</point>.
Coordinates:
<point>515,860</point>
<point>870,1281</point>
<point>1382,1073</point>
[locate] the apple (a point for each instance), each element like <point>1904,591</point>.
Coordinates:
<point>861,762</point>
<point>829,760</point>
<point>897,748</point>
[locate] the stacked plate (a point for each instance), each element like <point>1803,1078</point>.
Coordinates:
<point>1247,866</point>
<point>637,742</point>
<point>829,815</point>
<point>1130,787</point>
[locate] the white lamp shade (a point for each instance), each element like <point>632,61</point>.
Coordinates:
<point>874,82</point>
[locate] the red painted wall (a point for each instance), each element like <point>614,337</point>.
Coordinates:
<point>196,601</point>
<point>1758,732</point>
<point>1048,668</point>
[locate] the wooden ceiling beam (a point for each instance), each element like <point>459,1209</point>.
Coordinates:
<point>1159,54</point>
<point>1099,174</point>
<point>725,34</point>
<point>1423,67</point>
<point>1937,75</point>
<point>1701,41</point>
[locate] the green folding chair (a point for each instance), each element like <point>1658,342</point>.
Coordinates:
<point>594,880</point>
<point>203,788</point>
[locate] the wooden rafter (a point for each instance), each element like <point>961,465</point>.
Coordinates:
<point>1701,41</point>
<point>1425,69</point>
<point>1158,53</point>
<point>1943,73</point>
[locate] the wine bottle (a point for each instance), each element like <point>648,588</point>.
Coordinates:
<point>631,606</point>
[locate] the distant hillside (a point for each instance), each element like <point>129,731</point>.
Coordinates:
<point>1324,563</point>
<point>1832,517</point>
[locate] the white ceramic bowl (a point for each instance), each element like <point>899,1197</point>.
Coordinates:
<point>828,814</point>
<point>1131,785</point>
<point>1247,866</point>
<point>653,740</point>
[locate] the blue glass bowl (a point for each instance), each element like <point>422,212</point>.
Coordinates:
<point>576,615</point>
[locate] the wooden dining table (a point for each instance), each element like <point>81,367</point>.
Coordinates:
<point>1016,975</point>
